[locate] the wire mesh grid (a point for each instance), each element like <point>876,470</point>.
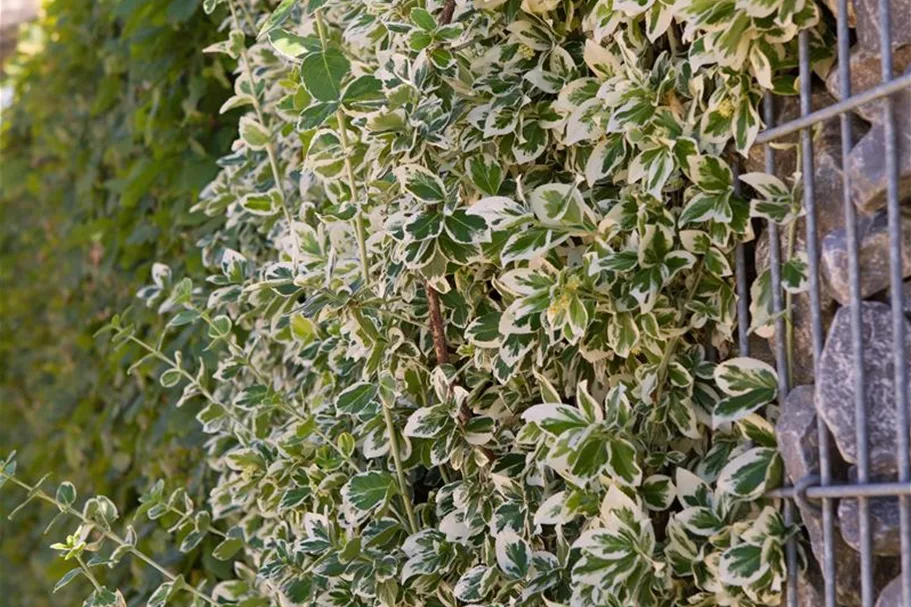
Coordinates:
<point>820,492</point>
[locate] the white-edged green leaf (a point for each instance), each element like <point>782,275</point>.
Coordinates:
<point>750,474</point>
<point>368,491</point>
<point>423,184</point>
<point>322,73</point>
<point>513,554</point>
<point>254,134</point>
<point>556,419</point>
<point>658,492</point>
<point>475,584</point>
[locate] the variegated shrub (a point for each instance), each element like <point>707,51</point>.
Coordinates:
<point>471,278</point>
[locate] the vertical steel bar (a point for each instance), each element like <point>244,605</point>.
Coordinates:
<point>791,555</point>
<point>743,291</point>
<point>898,321</point>
<point>816,329</point>
<point>860,411</point>
<point>775,264</point>
<point>781,359</point>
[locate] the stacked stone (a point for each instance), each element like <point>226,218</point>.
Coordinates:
<point>830,395</point>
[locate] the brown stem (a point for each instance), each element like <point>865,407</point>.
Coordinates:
<point>446,13</point>
<point>437,329</point>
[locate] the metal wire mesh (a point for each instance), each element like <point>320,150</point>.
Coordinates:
<point>818,491</point>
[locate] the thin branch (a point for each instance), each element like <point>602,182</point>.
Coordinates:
<point>39,494</point>
<point>437,328</point>
<point>447,12</point>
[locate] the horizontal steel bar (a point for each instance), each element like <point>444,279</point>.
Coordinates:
<point>839,491</point>
<point>831,111</point>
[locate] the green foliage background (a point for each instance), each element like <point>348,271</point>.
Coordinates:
<point>113,131</point>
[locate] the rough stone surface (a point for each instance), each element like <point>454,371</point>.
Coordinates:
<point>873,248</point>
<point>884,524</point>
<point>837,383</point>
<point>829,193</point>
<point>866,72</point>
<point>907,298</point>
<point>826,140</point>
<point>809,594</point>
<point>869,23</point>
<point>832,5</point>
<point>891,596</point>
<point>867,160</point>
<point>802,359</point>
<point>798,440</point>
<point>798,443</point>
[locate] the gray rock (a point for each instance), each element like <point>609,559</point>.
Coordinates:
<point>798,439</point>
<point>866,72</point>
<point>798,442</point>
<point>869,23</point>
<point>826,138</point>
<point>832,5</point>
<point>809,593</point>
<point>873,249</point>
<point>884,524</point>
<point>836,385</point>
<point>907,298</point>
<point>867,160</point>
<point>891,596</point>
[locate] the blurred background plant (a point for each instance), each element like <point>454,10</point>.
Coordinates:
<point>109,130</point>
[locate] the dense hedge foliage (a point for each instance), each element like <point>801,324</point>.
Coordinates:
<point>112,133</point>
<point>460,313</point>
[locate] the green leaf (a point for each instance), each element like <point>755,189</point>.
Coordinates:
<point>734,408</point>
<point>322,73</point>
<point>556,419</point>
<point>163,594</point>
<point>700,521</point>
<point>499,212</point>
<point>513,554</point>
<point>465,228</point>
<point>68,577</point>
<point>742,565</point>
<point>750,474</point>
<point>423,19</point>
<point>423,184</point>
<point>253,133</point>
<point>795,273</point>
<point>707,207</point>
<point>741,375</point>
<point>170,378</point>
<point>227,548</point>
<point>367,491</point>
<point>658,492</point>
<point>292,45</point>
<point>475,584</point>
<point>558,204</point>
<point>713,174</point>
<point>486,174</point>
<point>530,243</point>
<point>302,328</point>
<point>623,466</point>
<point>184,317</point>
<point>364,93</point>
<point>102,597</point>
<point>277,17</point>
<point>429,422</point>
<point>316,114</point>
<point>66,493</point>
<point>357,399</point>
